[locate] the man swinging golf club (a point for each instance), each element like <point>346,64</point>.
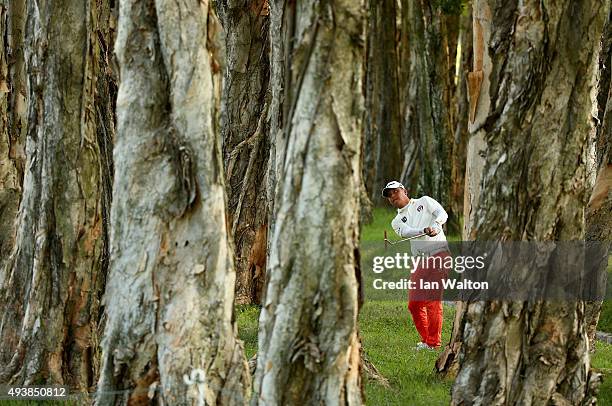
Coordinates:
<point>421,220</point>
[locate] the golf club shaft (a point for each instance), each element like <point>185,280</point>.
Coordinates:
<point>405,239</point>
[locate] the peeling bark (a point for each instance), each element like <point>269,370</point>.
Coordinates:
<point>460,124</point>
<point>13,116</point>
<point>51,283</point>
<point>599,208</point>
<point>427,134</point>
<point>532,121</point>
<point>382,144</point>
<point>169,298</point>
<point>244,131</point>
<point>215,42</point>
<point>308,340</point>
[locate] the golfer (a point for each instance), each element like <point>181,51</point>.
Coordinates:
<point>416,217</point>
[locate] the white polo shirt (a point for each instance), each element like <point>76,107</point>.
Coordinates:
<point>413,218</point>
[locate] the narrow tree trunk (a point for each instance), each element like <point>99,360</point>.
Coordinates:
<point>427,132</point>
<point>52,281</point>
<point>308,341</point>
<point>244,131</point>
<point>215,42</point>
<point>598,219</point>
<point>13,116</point>
<point>460,123</point>
<point>531,118</point>
<point>382,143</point>
<point>169,299</point>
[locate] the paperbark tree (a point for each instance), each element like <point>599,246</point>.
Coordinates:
<point>460,122</point>
<point>51,283</point>
<point>244,132</point>
<point>13,116</point>
<point>599,221</point>
<point>530,123</point>
<point>382,150</point>
<point>308,341</point>
<point>427,134</point>
<point>169,298</point>
<point>215,42</point>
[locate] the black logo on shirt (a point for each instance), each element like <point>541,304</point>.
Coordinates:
<point>404,219</point>
<point>420,208</point>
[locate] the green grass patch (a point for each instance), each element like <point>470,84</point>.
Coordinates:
<point>605,319</point>
<point>601,361</point>
<point>247,318</point>
<point>389,337</point>
<point>381,220</point>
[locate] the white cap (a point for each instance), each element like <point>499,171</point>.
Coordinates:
<point>392,185</point>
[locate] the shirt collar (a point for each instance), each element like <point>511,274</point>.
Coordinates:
<point>403,209</point>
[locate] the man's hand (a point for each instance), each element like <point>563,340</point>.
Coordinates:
<point>430,231</point>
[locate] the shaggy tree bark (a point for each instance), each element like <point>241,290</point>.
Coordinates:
<point>532,121</point>
<point>427,133</point>
<point>308,341</point>
<point>382,144</point>
<point>169,299</point>
<point>244,132</point>
<point>599,221</point>
<point>13,106</point>
<point>460,125</point>
<point>51,283</point>
<point>215,42</point>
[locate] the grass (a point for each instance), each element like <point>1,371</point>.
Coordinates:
<point>605,319</point>
<point>248,317</point>
<point>389,335</point>
<point>381,220</point>
<point>601,362</point>
<point>388,340</point>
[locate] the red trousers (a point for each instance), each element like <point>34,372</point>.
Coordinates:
<point>425,300</point>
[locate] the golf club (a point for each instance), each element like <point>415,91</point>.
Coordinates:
<point>387,241</point>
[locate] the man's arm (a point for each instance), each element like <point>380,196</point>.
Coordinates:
<point>439,214</point>
<point>404,230</point>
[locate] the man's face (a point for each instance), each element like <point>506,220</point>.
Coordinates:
<point>398,197</point>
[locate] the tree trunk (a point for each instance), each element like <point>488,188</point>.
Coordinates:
<point>382,144</point>
<point>169,298</point>
<point>13,115</point>
<point>460,123</point>
<point>427,133</point>
<point>308,340</point>
<point>531,120</point>
<point>244,131</point>
<point>598,219</point>
<point>52,281</point>
<point>215,42</point>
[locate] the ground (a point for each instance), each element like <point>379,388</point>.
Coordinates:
<point>388,340</point>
